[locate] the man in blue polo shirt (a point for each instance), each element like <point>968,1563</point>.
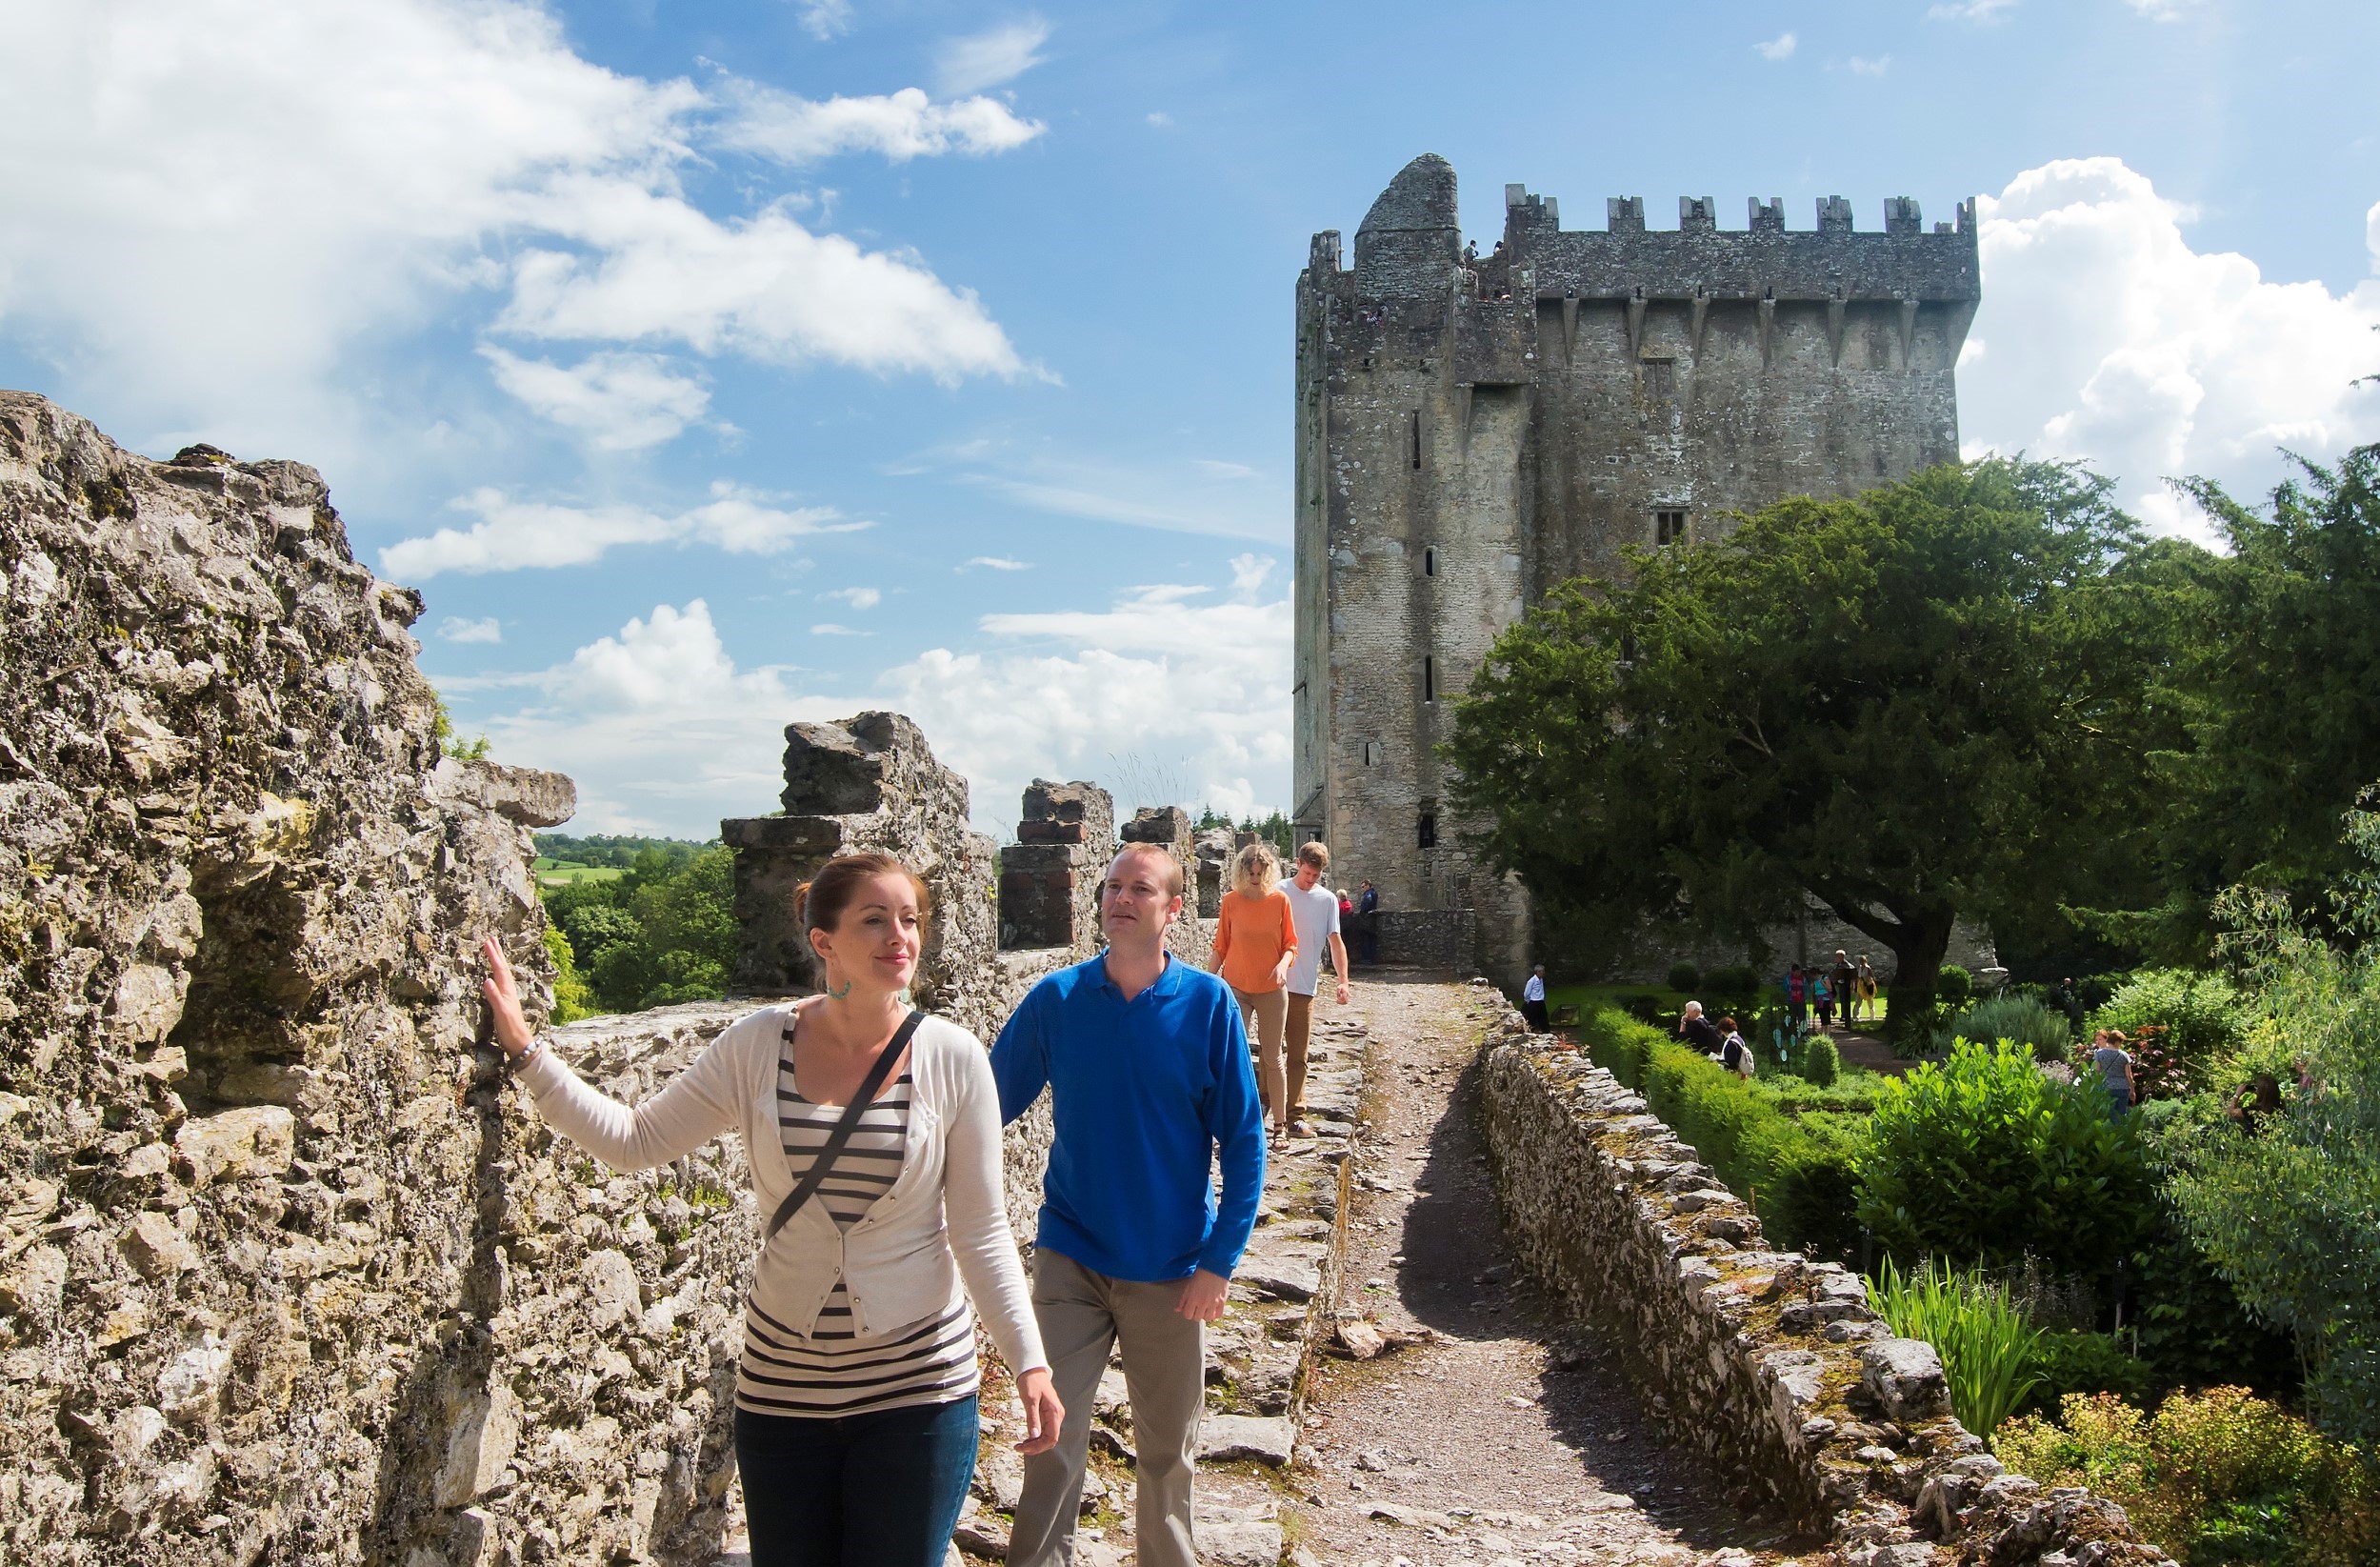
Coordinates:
<point>1151,1082</point>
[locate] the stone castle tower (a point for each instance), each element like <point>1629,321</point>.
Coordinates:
<point>1473,430</point>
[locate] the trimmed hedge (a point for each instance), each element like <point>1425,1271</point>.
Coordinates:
<point>1799,1180</point>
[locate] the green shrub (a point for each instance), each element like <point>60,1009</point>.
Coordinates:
<point>2218,1478</point>
<point>2064,1363</point>
<point>2204,1015</point>
<point>1644,1007</point>
<point>1684,978</point>
<point>1986,1346</point>
<point>1953,987</point>
<point>1732,981</point>
<point>573,999</point>
<point>1800,1181</point>
<point>1983,1158</point>
<point>2029,1022</point>
<point>1821,1063</point>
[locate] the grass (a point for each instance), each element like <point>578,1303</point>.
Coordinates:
<point>561,872</point>
<point>1986,1346</point>
<point>1588,997</point>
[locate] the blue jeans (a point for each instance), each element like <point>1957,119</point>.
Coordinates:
<point>877,1490</point>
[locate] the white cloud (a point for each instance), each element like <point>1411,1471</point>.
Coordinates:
<point>512,534</point>
<point>455,629</point>
<point>828,628</point>
<point>621,402</point>
<point>858,598</point>
<point>213,204</point>
<point>1160,118</point>
<point>998,563</point>
<point>824,19</point>
<point>2111,339</point>
<point>1195,496</point>
<point>898,126</point>
<point>990,58</point>
<point>1971,11</point>
<point>1779,47</point>
<point>1876,67</point>
<point>2164,11</point>
<point>1248,575</point>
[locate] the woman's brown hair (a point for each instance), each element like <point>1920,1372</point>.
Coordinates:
<point>818,903</point>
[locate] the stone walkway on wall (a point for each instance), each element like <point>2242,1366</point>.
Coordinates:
<point>1490,1436</point>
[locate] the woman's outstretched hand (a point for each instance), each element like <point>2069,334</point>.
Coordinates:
<point>1043,1413</point>
<point>504,1000</point>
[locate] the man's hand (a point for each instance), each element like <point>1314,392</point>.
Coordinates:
<point>504,1000</point>
<point>1343,993</point>
<point>1043,1413</point>
<point>1202,1296</point>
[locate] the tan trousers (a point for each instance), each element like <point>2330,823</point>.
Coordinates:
<point>1267,1011</point>
<point>1082,1315</point>
<point>1301,1039</point>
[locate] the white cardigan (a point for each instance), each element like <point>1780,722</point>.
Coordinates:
<point>904,1259</point>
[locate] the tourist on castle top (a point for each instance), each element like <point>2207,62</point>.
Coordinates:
<point>1146,1059</point>
<point>1734,1053</point>
<point>1699,1031</point>
<point>1822,999</point>
<point>1864,991</point>
<point>1533,999</point>
<point>1255,946</point>
<point>1797,998</point>
<point>1347,909</point>
<point>1368,922</point>
<point>1315,909</point>
<point>872,1132</point>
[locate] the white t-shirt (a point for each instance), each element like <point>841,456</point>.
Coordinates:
<point>1317,917</point>
<point>1536,989</point>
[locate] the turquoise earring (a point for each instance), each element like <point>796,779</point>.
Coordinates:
<point>834,995</point>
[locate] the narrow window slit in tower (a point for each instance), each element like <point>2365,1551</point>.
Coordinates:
<point>1428,678</point>
<point>1416,426</point>
<point>1428,833</point>
<point>1429,563</point>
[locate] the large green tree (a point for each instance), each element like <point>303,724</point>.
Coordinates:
<point>1923,702</point>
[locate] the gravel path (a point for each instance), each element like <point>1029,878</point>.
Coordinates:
<point>1497,1438</point>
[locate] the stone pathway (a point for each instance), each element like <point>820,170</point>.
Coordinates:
<point>1491,1437</point>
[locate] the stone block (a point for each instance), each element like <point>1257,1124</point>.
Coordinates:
<point>1265,1440</point>
<point>484,1432</point>
<point>1905,1376</point>
<point>156,1248</point>
<point>235,1144</point>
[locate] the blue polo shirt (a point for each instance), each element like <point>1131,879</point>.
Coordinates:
<point>1146,1095</point>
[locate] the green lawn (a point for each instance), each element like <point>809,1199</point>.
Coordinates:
<point>1588,997</point>
<point>561,872</point>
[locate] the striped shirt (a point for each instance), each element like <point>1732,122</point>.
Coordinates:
<point>831,1371</point>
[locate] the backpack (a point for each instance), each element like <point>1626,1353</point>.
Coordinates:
<point>1736,1055</point>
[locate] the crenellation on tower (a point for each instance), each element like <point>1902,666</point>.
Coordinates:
<point>1473,430</point>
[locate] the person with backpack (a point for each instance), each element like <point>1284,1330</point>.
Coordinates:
<point>1734,1053</point>
<point>1797,998</point>
<point>1822,999</point>
<point>872,1132</point>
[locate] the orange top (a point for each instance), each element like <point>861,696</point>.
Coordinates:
<point>1250,935</point>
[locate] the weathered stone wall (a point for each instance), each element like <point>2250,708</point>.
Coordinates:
<point>1774,1365</point>
<point>288,1272</point>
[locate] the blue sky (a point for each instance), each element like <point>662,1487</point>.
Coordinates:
<point>715,363</point>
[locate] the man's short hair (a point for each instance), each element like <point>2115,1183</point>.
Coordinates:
<point>1172,866</point>
<point>1315,854</point>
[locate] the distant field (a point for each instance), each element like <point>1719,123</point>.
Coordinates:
<point>1588,997</point>
<point>561,872</point>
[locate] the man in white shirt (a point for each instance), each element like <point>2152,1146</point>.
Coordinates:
<point>1315,908</point>
<point>1533,999</point>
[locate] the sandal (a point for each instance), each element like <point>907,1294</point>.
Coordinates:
<point>1301,1128</point>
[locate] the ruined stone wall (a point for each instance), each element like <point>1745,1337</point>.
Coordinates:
<point>1774,1365</point>
<point>288,1272</point>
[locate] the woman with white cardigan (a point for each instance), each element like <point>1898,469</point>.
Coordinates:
<point>874,1134</point>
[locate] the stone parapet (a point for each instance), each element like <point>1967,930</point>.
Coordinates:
<point>1774,1365</point>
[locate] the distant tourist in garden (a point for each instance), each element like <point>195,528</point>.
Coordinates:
<point>1316,909</point>
<point>1533,999</point>
<point>1146,1060</point>
<point>1367,928</point>
<point>1843,981</point>
<point>2116,1069</point>
<point>1797,998</point>
<point>2258,1101</point>
<point>1734,1053</point>
<point>1699,1031</point>
<point>1822,999</point>
<point>1865,991</point>
<point>1255,946</point>
<point>856,1420</point>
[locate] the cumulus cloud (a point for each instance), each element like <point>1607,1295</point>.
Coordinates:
<point>620,402</point>
<point>1971,11</point>
<point>824,19</point>
<point>214,204</point>
<point>858,598</point>
<point>998,563</point>
<point>992,57</point>
<point>1779,47</point>
<point>898,126</point>
<point>2104,335</point>
<point>455,629</point>
<point>1876,67</point>
<point>512,534</point>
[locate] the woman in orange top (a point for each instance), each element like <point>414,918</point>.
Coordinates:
<point>1255,942</point>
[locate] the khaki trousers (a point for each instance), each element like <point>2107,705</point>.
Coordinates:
<point>1267,1011</point>
<point>1083,1314</point>
<point>1301,1039</point>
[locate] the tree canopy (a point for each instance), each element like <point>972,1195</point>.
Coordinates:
<point>1923,701</point>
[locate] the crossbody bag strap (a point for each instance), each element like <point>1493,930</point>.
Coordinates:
<point>808,1186</point>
